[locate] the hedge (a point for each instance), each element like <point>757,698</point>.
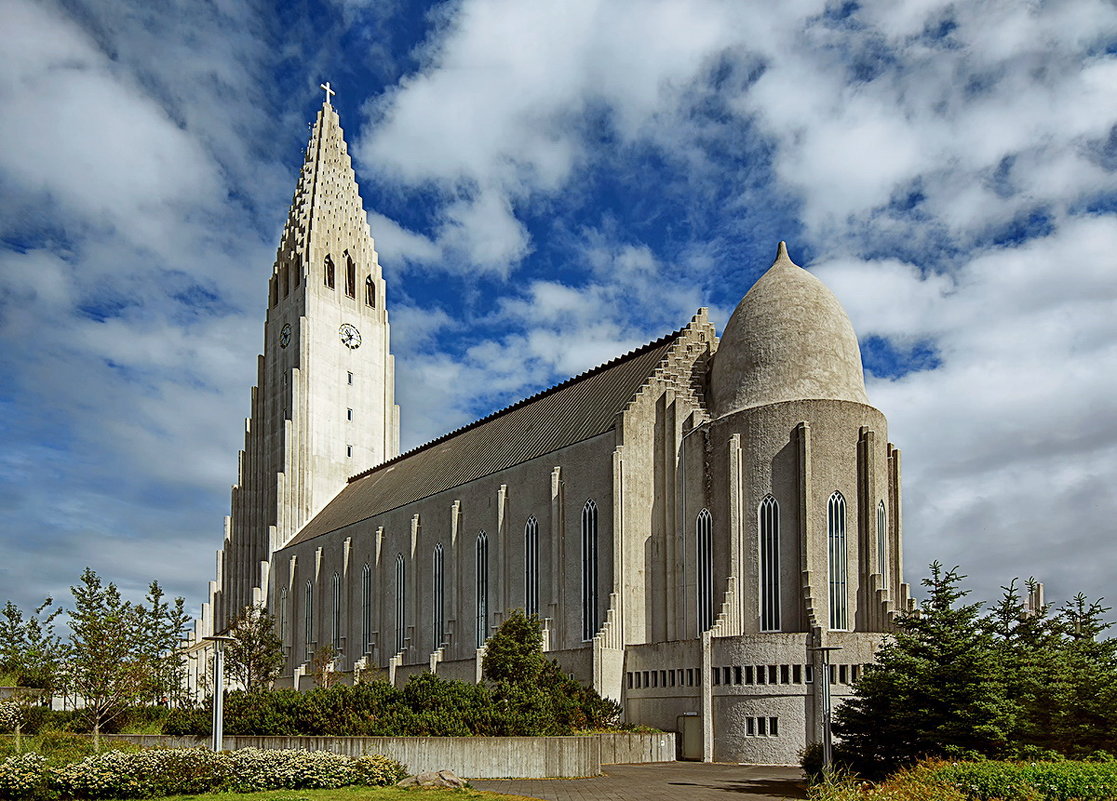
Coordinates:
<point>160,772</point>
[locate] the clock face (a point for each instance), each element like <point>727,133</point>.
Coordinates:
<point>285,336</point>
<point>350,336</point>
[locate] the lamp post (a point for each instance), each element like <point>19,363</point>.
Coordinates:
<point>219,640</point>
<point>824,682</point>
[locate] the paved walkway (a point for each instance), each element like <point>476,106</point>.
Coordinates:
<point>662,781</point>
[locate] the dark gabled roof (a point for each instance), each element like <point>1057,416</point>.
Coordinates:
<point>575,410</point>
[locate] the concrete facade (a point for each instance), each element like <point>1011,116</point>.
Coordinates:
<point>689,520</point>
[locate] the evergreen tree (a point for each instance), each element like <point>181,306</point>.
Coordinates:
<point>935,690</point>
<point>1083,706</point>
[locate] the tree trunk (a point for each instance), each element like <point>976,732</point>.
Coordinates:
<point>19,727</point>
<point>97,734</point>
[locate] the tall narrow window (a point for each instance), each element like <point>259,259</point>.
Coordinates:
<point>297,271</point>
<point>281,623</point>
<point>589,570</point>
<point>531,566</point>
<point>439,622</point>
<point>370,292</point>
<point>882,543</point>
<point>350,277</point>
<point>284,280</point>
<point>335,613</point>
<point>703,537</point>
<point>482,588</point>
<point>328,273</point>
<point>401,578</point>
<point>308,621</point>
<point>836,535</point>
<point>769,513</point>
<point>366,608</point>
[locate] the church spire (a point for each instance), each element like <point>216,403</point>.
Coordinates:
<point>327,206</point>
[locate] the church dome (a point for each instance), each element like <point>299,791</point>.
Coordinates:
<point>788,339</point>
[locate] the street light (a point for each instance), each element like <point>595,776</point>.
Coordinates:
<point>827,744</point>
<point>219,640</point>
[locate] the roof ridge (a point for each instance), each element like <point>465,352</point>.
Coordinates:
<point>523,402</point>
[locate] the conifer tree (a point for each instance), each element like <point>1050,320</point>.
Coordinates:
<point>935,690</point>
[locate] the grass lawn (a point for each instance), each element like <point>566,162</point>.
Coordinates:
<point>354,794</point>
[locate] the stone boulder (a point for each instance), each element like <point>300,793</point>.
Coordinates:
<point>441,778</point>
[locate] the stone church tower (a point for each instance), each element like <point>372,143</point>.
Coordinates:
<point>323,406</point>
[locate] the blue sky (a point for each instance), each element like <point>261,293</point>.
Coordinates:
<point>550,184</point>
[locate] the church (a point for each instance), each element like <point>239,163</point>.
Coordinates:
<point>704,525</point>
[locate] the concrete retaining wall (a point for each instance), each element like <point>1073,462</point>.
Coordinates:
<point>471,757</point>
<point>629,749</point>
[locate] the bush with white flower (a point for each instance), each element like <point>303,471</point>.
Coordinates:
<point>192,771</point>
<point>22,775</point>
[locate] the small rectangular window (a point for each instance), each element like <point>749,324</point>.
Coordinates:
<point>690,677</point>
<point>349,414</point>
<point>348,450</point>
<point>772,677</point>
<point>737,677</point>
<point>636,679</point>
<point>843,674</point>
<point>647,679</point>
<point>761,675</point>
<point>682,677</point>
<point>628,679</point>
<point>854,673</point>
<point>785,674</point>
<point>833,674</point>
<point>349,377</point>
<point>797,674</point>
<point>773,727</point>
<point>748,674</point>
<point>727,675</point>
<point>663,678</point>
<point>716,675</point>
<point>809,674</point>
<point>750,727</point>
<point>762,727</point>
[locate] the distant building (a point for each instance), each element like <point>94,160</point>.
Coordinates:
<point>689,519</point>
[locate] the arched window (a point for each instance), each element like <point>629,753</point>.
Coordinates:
<point>769,514</point>
<point>589,570</point>
<point>439,622</point>
<point>836,536</point>
<point>350,277</point>
<point>370,292</point>
<point>328,273</point>
<point>335,613</point>
<point>308,621</point>
<point>482,588</point>
<point>531,566</point>
<point>281,622</point>
<point>882,543</point>
<point>366,608</point>
<point>401,577</point>
<point>703,538</point>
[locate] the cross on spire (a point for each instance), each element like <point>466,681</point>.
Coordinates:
<point>329,91</point>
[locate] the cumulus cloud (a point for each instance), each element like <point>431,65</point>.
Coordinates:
<point>941,160</point>
<point>569,180</point>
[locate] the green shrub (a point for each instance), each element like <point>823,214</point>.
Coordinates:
<point>22,776</point>
<point>1050,781</point>
<point>192,771</point>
